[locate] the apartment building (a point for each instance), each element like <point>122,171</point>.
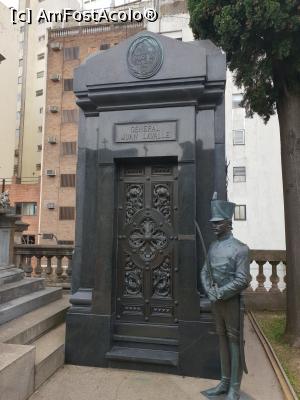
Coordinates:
<point>25,197</point>
<point>67,48</point>
<point>22,107</point>
<point>32,61</point>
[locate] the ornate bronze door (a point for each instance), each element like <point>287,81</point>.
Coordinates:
<point>147,229</point>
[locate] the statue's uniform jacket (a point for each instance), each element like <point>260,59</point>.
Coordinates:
<point>230,267</point>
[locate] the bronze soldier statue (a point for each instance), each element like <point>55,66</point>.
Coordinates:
<point>225,274</point>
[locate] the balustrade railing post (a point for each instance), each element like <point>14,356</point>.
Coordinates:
<point>69,268</point>
<point>261,277</point>
<point>59,269</point>
<point>49,266</point>
<point>22,262</point>
<point>285,280</point>
<point>38,268</point>
<point>249,288</point>
<point>28,267</point>
<point>274,278</point>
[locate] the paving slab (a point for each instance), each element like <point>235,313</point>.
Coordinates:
<point>76,383</point>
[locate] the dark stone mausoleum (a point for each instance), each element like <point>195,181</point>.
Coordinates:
<point>151,153</point>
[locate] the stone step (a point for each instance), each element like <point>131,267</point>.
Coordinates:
<point>143,339</point>
<point>31,326</point>
<point>16,371</point>
<point>146,330</point>
<point>50,354</point>
<point>25,304</point>
<point>145,342</point>
<point>139,355</point>
<point>10,274</point>
<point>20,288</point>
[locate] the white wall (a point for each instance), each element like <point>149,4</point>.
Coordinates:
<point>8,93</point>
<point>262,192</point>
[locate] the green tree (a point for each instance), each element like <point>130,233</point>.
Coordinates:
<point>262,42</point>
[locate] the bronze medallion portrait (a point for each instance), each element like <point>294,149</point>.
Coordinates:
<point>144,57</point>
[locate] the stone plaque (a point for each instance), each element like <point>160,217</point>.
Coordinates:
<point>146,132</point>
<point>144,57</point>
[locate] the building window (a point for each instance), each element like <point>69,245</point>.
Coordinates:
<point>70,116</point>
<point>28,239</point>
<point>239,174</point>
<point>66,213</point>
<point>21,62</point>
<point>238,136</point>
<point>39,92</point>
<point>28,209</point>
<point>68,85</point>
<point>68,148</point>
<point>67,180</point>
<point>236,100</point>
<point>40,128</point>
<point>21,45</point>
<point>104,46</point>
<point>41,56</point>
<point>41,110</point>
<point>240,213</point>
<point>38,167</point>
<point>18,132</point>
<point>19,80</point>
<point>40,74</point>
<point>39,147</point>
<point>71,53</point>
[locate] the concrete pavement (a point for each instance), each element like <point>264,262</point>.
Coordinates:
<point>84,383</point>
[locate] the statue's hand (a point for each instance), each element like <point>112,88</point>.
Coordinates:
<point>212,294</point>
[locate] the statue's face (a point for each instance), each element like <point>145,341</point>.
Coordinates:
<point>221,227</point>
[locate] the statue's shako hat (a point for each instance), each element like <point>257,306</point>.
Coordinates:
<point>221,209</point>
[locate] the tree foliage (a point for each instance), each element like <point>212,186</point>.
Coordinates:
<point>262,41</point>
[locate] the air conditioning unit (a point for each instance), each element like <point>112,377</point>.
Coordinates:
<point>55,46</point>
<point>50,206</point>
<point>55,77</point>
<point>53,109</point>
<point>52,140</point>
<point>50,172</point>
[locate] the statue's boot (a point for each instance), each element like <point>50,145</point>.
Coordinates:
<point>233,394</point>
<point>221,388</point>
<point>223,385</point>
<point>236,372</point>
